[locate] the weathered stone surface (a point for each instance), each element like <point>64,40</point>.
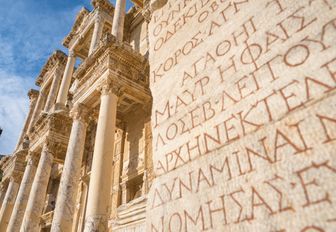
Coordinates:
<point>243,116</point>
<point>240,136</point>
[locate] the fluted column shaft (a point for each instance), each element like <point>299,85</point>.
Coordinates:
<point>66,80</point>
<point>66,198</point>
<point>8,203</point>
<point>118,19</point>
<point>33,95</point>
<point>53,92</point>
<point>97,33</point>
<point>97,210</point>
<point>23,194</point>
<point>38,191</point>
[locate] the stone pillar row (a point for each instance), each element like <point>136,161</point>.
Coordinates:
<point>8,202</point>
<point>23,194</point>
<point>38,191</point>
<point>22,213</point>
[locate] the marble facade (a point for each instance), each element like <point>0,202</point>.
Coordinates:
<point>180,115</point>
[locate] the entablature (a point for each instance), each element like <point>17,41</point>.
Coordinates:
<point>15,166</point>
<point>119,62</point>
<point>53,129</point>
<point>55,63</point>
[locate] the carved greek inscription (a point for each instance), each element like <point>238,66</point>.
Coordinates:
<point>248,133</point>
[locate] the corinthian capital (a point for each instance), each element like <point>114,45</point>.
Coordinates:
<point>33,95</point>
<point>108,86</point>
<point>79,112</point>
<point>72,53</point>
<point>32,158</point>
<point>16,177</point>
<point>98,18</point>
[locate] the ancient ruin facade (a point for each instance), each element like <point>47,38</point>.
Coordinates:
<point>182,115</point>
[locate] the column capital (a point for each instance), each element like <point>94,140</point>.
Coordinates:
<point>16,177</point>
<point>71,54</point>
<point>98,18</point>
<point>50,147</point>
<point>32,158</point>
<point>79,112</point>
<point>108,86</point>
<point>33,95</point>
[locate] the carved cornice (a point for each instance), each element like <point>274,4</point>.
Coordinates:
<point>117,57</point>
<point>57,124</point>
<point>15,166</point>
<point>103,4</point>
<point>58,57</point>
<point>79,20</point>
<point>79,112</point>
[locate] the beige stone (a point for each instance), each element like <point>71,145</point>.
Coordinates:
<point>182,116</point>
<point>23,194</point>
<point>242,137</point>
<point>8,203</point>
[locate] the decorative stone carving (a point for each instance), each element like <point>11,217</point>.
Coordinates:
<point>79,112</point>
<point>109,86</point>
<point>103,4</point>
<point>33,95</point>
<point>58,57</point>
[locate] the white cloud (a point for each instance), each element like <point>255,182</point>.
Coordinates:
<point>27,38</point>
<point>14,104</point>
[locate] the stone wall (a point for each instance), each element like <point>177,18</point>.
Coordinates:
<point>243,118</point>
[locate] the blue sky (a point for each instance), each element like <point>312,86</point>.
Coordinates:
<point>30,30</point>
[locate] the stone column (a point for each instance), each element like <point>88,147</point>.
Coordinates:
<point>79,221</point>
<point>118,20</point>
<point>66,80</point>
<point>123,193</point>
<point>38,191</point>
<point>66,197</point>
<point>97,32</point>
<point>97,211</point>
<point>33,95</point>
<point>23,194</point>
<point>37,110</point>
<point>8,203</point>
<point>53,91</point>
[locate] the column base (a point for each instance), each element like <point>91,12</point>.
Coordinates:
<point>96,223</point>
